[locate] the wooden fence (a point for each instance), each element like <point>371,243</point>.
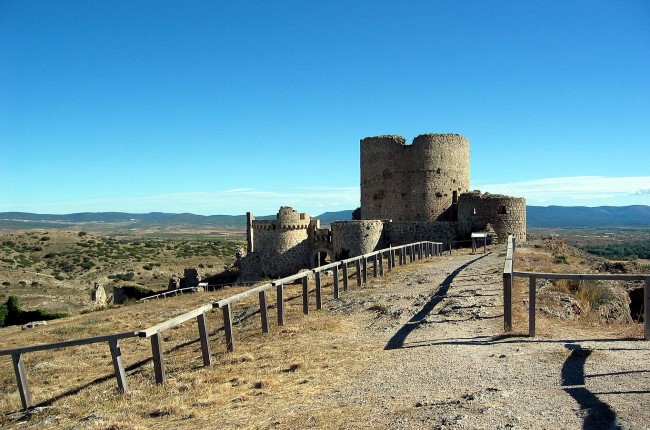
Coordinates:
<point>509,273</point>
<point>393,256</point>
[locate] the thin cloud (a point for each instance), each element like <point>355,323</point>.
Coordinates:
<point>576,189</point>
<point>313,200</point>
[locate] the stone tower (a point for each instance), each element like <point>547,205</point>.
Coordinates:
<point>418,182</point>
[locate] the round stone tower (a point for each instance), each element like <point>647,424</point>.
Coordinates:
<point>507,215</point>
<point>418,182</point>
<point>353,238</point>
<point>280,246</point>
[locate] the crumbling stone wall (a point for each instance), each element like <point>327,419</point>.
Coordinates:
<point>507,215</point>
<point>191,278</point>
<point>418,182</point>
<point>98,296</point>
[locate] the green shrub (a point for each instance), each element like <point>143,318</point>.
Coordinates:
<point>11,313</point>
<point>561,259</point>
<point>122,276</point>
<point>136,292</point>
<point>3,315</point>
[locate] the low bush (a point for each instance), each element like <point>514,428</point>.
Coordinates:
<point>11,313</point>
<point>136,292</point>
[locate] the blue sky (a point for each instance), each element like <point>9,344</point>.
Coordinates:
<point>224,107</point>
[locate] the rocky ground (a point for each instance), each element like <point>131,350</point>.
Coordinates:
<point>446,364</point>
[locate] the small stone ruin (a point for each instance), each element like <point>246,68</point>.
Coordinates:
<point>191,278</point>
<point>98,296</point>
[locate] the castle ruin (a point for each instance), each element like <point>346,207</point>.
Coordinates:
<point>409,193</point>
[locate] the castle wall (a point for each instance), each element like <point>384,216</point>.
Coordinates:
<point>507,215</point>
<point>409,193</point>
<point>352,238</point>
<point>281,246</point>
<point>401,232</point>
<point>415,182</point>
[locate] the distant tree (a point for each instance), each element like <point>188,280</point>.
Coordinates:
<point>11,313</point>
<point>356,214</point>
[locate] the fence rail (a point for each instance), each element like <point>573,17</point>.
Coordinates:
<point>113,343</point>
<point>413,251</point>
<point>509,273</point>
<point>340,273</point>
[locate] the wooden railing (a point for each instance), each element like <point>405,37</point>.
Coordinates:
<point>509,273</point>
<point>113,343</point>
<point>393,256</point>
<point>411,252</point>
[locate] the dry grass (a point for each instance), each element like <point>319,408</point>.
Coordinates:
<point>280,371</point>
<point>589,294</point>
<point>270,381</point>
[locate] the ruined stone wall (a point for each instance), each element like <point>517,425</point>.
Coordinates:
<point>507,215</point>
<point>415,182</point>
<point>353,238</point>
<point>402,232</point>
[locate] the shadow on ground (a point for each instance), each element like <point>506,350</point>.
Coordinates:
<point>397,341</point>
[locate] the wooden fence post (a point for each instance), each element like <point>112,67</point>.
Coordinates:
<point>507,301</point>
<point>21,380</point>
<point>263,312</point>
<point>345,276</point>
<point>158,359</point>
<point>335,274</point>
<point>531,306</point>
<point>357,264</point>
<point>364,270</point>
<point>319,292</point>
<point>280,303</point>
<point>381,263</point>
<point>305,295</point>
<point>375,267</point>
<point>646,307</point>
<point>118,365</point>
<point>227,325</point>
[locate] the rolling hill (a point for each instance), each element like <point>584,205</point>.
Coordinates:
<point>537,216</point>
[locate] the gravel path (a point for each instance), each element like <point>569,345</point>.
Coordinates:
<point>445,364</point>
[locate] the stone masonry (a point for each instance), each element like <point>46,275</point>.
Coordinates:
<point>408,193</point>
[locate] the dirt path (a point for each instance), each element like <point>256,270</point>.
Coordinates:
<point>445,365</point>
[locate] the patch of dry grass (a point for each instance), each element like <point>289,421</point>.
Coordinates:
<point>280,371</point>
<point>589,294</point>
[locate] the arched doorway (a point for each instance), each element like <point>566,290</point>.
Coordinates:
<point>320,257</point>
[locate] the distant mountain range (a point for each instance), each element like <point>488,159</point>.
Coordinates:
<point>581,216</point>
<point>537,216</point>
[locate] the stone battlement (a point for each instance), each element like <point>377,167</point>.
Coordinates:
<point>409,193</point>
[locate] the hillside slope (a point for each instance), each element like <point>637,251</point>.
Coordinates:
<point>419,348</point>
